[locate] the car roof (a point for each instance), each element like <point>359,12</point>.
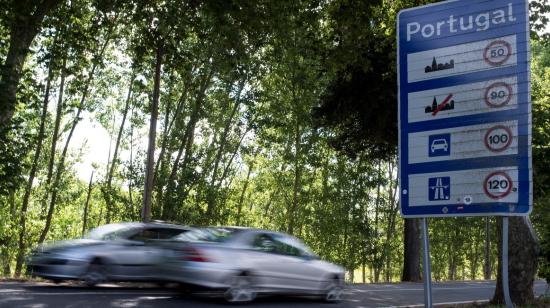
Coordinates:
<point>142,225</point>
<point>166,225</point>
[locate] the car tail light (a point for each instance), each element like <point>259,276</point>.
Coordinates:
<point>194,255</point>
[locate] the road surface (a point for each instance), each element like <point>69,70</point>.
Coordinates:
<point>46,295</point>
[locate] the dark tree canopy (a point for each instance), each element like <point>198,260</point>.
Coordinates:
<point>360,108</point>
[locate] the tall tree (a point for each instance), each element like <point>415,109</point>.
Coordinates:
<point>24,19</point>
<point>34,169</point>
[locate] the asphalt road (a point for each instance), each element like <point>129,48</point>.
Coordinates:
<point>45,295</point>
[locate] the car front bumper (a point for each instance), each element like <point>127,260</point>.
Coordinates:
<point>56,267</point>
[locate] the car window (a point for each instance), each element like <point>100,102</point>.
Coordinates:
<point>289,245</point>
<point>263,242</point>
<point>166,233</point>
<point>150,234</point>
<point>144,235</point>
<point>280,244</point>
<point>286,249</point>
<point>207,235</point>
<point>111,232</point>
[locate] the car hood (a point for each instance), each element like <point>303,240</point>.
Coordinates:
<point>329,267</point>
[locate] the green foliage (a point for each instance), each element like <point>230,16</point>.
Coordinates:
<point>540,93</point>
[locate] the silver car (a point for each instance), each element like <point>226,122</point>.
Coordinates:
<point>244,263</point>
<point>113,252</point>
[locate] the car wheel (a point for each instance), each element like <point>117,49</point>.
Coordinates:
<point>334,290</point>
<point>95,274</point>
<point>240,290</point>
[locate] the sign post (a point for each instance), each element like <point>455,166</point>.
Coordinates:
<point>426,263</point>
<point>464,111</point>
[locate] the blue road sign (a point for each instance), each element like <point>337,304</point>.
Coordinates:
<point>464,109</point>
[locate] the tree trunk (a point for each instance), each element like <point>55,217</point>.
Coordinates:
<point>25,25</point>
<point>32,174</point>
<point>394,206</point>
<point>451,275</point>
<point>245,186</point>
<point>167,196</point>
<point>149,167</point>
<point>168,211</point>
<point>6,242</point>
<point>169,123</point>
<point>227,167</point>
<point>487,252</point>
<point>523,252</point>
<point>474,260</point>
<point>131,168</point>
<point>59,172</point>
<point>5,256</point>
<point>61,164</point>
<point>212,192</point>
<point>375,253</point>
<point>411,255</point>
<point>55,136</point>
<point>297,176</point>
<point>364,270</point>
<point>108,190</point>
<point>86,205</point>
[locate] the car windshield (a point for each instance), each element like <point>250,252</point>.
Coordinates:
<point>294,242</point>
<point>207,235</point>
<point>110,232</point>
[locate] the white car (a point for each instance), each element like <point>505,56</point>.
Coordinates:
<point>243,263</point>
<point>114,252</point>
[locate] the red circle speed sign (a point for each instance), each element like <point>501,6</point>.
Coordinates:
<point>497,185</point>
<point>498,94</point>
<point>498,138</point>
<point>497,52</point>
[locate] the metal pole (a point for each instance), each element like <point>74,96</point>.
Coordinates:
<point>505,283</point>
<point>427,266</point>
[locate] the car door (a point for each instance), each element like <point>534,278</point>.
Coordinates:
<point>281,265</point>
<point>296,267</point>
<point>263,261</point>
<point>132,257</point>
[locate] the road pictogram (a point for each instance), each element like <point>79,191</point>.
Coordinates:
<point>439,188</point>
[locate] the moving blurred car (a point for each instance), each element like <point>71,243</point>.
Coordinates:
<point>113,252</point>
<point>243,263</point>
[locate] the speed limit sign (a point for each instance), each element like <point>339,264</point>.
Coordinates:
<point>497,52</point>
<point>498,138</point>
<point>498,185</point>
<point>498,94</point>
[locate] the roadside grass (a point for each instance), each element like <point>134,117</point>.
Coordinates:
<point>20,279</point>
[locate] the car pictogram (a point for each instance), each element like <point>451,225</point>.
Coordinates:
<point>439,144</point>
